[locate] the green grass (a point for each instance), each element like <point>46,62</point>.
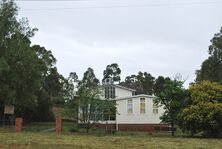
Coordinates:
<point>26,139</point>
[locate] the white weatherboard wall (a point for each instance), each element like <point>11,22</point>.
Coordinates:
<point>136,117</point>
<point>120,92</point>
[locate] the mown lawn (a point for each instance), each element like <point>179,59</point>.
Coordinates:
<point>10,139</point>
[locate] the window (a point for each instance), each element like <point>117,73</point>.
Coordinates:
<point>142,105</point>
<point>133,93</point>
<point>130,106</point>
<point>109,92</point>
<point>155,109</point>
<point>112,92</point>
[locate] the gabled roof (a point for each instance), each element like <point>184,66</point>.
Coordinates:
<point>122,87</point>
<point>119,86</point>
<point>136,96</point>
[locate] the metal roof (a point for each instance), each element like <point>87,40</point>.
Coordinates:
<point>136,96</point>
<point>126,88</point>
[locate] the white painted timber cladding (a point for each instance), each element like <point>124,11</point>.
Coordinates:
<point>122,117</point>
<point>120,92</point>
<point>136,117</point>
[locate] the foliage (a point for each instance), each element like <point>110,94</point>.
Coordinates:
<point>211,68</point>
<point>20,74</point>
<point>204,114</point>
<point>143,83</point>
<point>73,81</point>
<point>28,76</point>
<point>172,97</point>
<point>112,71</point>
<point>159,84</point>
<point>87,107</point>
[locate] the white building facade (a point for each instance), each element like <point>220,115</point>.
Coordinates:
<point>134,112</point>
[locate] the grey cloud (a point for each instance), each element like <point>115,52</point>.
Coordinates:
<point>159,40</point>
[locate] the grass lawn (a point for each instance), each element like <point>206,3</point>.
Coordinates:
<point>10,139</point>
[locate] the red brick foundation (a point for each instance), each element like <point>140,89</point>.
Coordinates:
<point>136,127</point>
<point>58,125</point>
<point>105,126</point>
<point>18,124</point>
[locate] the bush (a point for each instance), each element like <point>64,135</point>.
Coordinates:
<point>204,114</point>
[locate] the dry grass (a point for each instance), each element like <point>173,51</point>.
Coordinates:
<point>9,139</point>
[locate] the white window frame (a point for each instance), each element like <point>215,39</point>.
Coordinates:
<point>144,105</point>
<point>110,92</point>
<point>155,109</point>
<point>127,106</point>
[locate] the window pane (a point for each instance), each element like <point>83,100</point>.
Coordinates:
<point>142,105</point>
<point>114,93</point>
<point>109,92</point>
<point>130,101</point>
<point>142,99</point>
<point>130,106</point>
<point>155,109</point>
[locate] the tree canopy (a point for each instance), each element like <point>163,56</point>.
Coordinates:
<point>112,71</point>
<point>27,72</point>
<point>173,98</point>
<point>204,113</point>
<point>211,68</point>
<point>144,83</point>
<point>87,106</point>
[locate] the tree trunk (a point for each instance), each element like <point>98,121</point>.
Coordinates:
<point>172,125</point>
<point>87,127</point>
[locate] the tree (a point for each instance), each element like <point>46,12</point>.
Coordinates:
<point>204,113</point>
<point>87,107</point>
<point>159,84</point>
<point>147,82</point>
<point>131,82</point>
<point>26,71</point>
<point>211,68</point>
<point>87,99</point>
<point>91,107</point>
<point>143,83</point>
<point>14,36</point>
<point>172,98</point>
<point>73,82</point>
<point>112,71</point>
<point>54,87</point>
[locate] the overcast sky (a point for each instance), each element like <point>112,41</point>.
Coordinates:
<point>162,37</point>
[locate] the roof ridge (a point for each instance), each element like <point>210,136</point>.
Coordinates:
<point>140,95</point>
<point>120,86</point>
